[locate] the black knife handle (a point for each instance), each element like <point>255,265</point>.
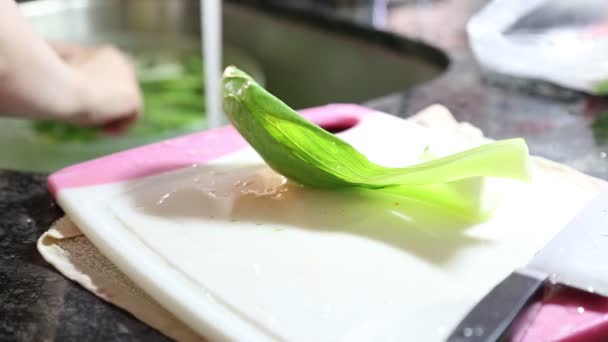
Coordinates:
<point>491,318</point>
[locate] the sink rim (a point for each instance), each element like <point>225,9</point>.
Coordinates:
<point>395,42</point>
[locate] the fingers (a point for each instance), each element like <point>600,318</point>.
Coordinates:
<point>119,126</point>
<point>108,84</point>
<point>70,52</point>
<point>114,114</point>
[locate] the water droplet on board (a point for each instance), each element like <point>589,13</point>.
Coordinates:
<point>278,195</point>
<point>467,332</point>
<point>163,199</point>
<point>603,155</point>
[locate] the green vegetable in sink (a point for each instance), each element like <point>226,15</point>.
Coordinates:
<point>173,95</point>
<point>307,154</point>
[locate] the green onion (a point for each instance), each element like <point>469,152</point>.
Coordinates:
<point>309,155</point>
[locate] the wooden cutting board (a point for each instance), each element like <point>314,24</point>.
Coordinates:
<point>236,252</point>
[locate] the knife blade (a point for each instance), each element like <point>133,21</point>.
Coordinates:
<point>576,256</point>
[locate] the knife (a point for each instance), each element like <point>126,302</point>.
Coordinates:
<point>577,256</point>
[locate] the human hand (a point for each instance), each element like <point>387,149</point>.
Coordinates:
<point>105,84</point>
<point>62,82</point>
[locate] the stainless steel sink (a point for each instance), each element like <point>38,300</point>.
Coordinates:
<point>307,60</point>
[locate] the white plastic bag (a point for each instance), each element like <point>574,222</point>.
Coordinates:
<point>564,42</point>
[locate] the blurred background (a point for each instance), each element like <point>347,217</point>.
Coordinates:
<point>294,49</point>
<point>503,65</point>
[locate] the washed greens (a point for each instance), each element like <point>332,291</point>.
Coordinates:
<point>307,154</point>
<point>173,95</point>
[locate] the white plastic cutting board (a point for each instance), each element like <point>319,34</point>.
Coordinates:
<point>204,227</point>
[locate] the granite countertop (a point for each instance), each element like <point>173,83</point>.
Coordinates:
<point>39,304</point>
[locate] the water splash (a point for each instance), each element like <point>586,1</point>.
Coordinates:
<point>230,185</point>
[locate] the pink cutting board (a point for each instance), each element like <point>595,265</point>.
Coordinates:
<point>393,285</point>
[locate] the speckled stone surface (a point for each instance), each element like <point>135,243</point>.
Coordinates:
<point>566,127</point>
<point>39,304</point>
<point>36,302</point>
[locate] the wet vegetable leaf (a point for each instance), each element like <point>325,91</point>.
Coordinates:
<point>307,154</point>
